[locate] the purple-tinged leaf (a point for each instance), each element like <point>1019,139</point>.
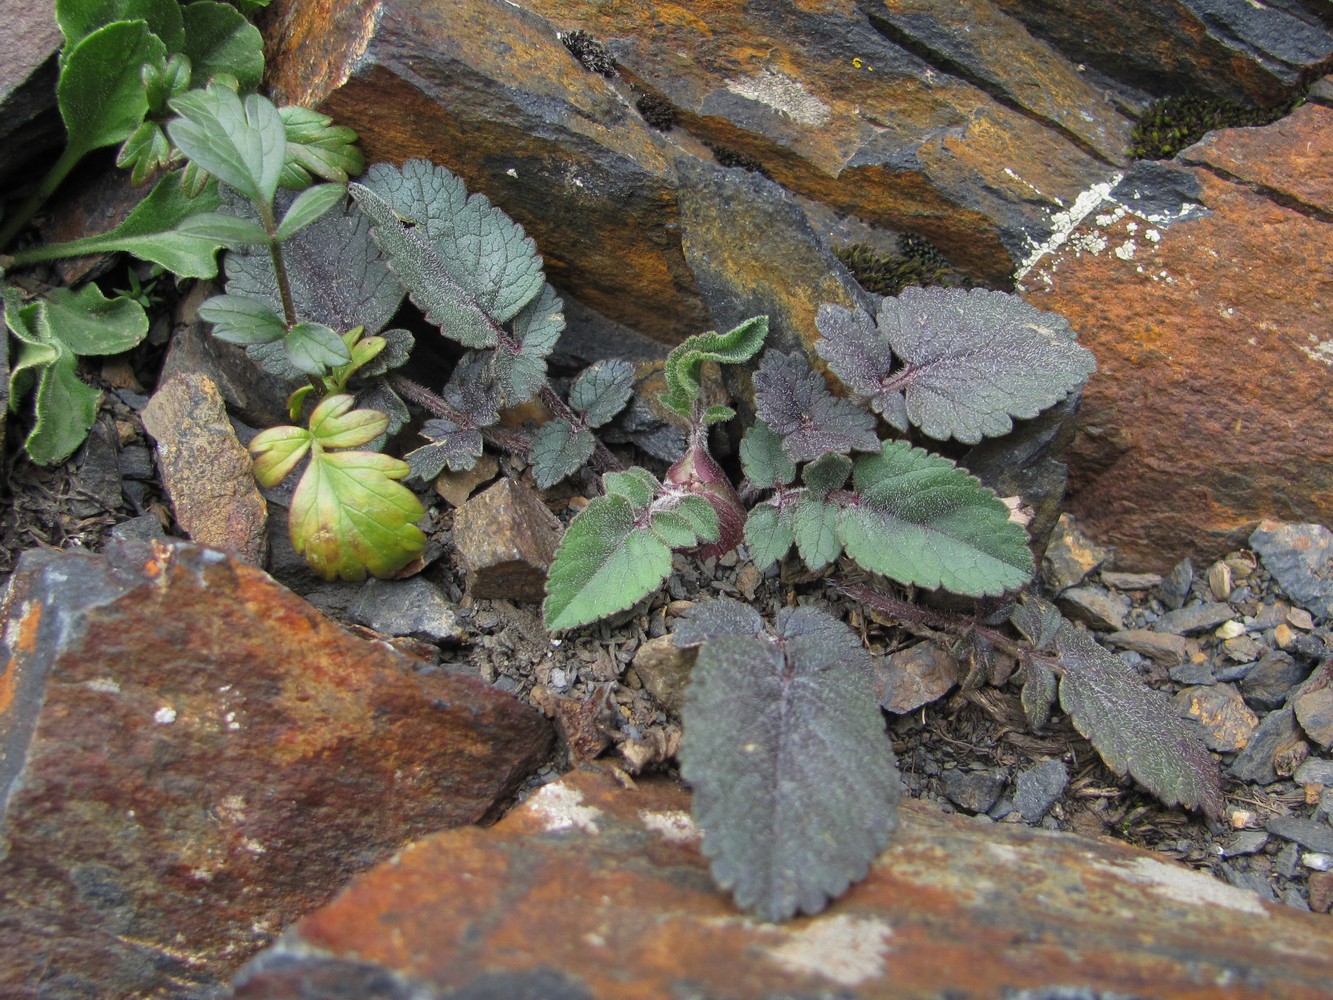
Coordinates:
<point>602,390</point>
<point>713,619</point>
<point>853,348</point>
<point>448,445</point>
<point>794,779</point>
<point>793,400</point>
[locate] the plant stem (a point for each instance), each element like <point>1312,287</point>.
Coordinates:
<point>606,462</point>
<point>279,266</point>
<point>514,442</point>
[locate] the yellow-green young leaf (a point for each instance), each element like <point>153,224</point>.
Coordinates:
<point>334,424</point>
<point>350,516</point>
<point>277,451</point>
<point>606,562</point>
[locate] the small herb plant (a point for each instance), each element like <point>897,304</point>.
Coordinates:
<point>794,781</point>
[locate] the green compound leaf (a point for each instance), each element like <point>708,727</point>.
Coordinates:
<point>770,530</point>
<point>101,93</point>
<point>602,390</point>
<point>557,450</point>
<point>317,148</point>
<point>349,515</point>
<point>794,779</point>
<point>972,360</point>
<point>766,465</point>
<point>636,485</point>
<point>241,143</point>
<point>792,399</point>
<point>920,519</point>
<point>218,39</point>
<point>691,522</point>
<point>606,563</point>
<point>684,363</point>
<point>1134,728</point>
<point>484,251</point>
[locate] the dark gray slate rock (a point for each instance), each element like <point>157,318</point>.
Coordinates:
<point>1193,618</point>
<point>1038,787</point>
<point>975,791</point>
<point>29,125</point>
<point>414,607</point>
<point>1277,735</point>
<point>1175,586</point>
<point>1300,557</point>
<point>1267,685</point>
<point>1306,832</point>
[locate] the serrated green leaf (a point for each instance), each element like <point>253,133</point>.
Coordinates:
<point>88,323</point>
<point>65,407</point>
<point>1133,727</point>
<point>78,19</point>
<point>557,450</point>
<point>684,363</point>
<point>973,359</point>
<point>814,526</point>
<point>231,231</point>
<point>701,516</point>
<point>429,282</point>
<point>484,252</point>
<point>241,143</point>
<point>770,531</point>
<point>314,348</point>
<point>350,516</point>
<point>309,205</point>
<point>920,519</point>
<point>691,522</point>
<point>606,563</point>
<point>638,486</point>
<point>673,530</point>
<point>794,779</point>
<point>100,92</point>
<point>792,399</point>
<point>602,390</point>
<point>520,369</point>
<point>277,451</point>
<point>827,474</point>
<point>239,320</point>
<point>218,39</point>
<point>766,465</point>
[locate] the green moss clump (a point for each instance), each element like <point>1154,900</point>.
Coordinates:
<point>920,263</point>
<point>1169,125</point>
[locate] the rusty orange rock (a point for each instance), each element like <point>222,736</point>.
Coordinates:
<point>193,757</point>
<point>590,890</point>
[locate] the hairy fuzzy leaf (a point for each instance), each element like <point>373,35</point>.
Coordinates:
<point>1134,728</point>
<point>89,323</point>
<point>794,402</point>
<point>770,531</point>
<point>66,408</point>
<point>794,780</point>
<point>472,391</point>
<point>100,92</point>
<point>638,486</point>
<point>814,526</point>
<point>1040,689</point>
<point>1038,620</point>
<point>973,360</point>
<point>557,450</point>
<point>483,250</point>
<point>701,517</point>
<point>854,349</point>
<point>602,390</point>
<point>451,445</point>
<point>152,231</point>
<point>684,363</point>
<point>766,465</point>
<point>241,143</point>
<point>520,369</point>
<point>920,519</point>
<point>713,619</point>
<point>826,474</point>
<point>218,39</point>
<point>606,563</point>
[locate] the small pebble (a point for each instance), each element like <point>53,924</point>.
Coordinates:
<point>1301,619</point>
<point>1318,861</point>
<point>1242,819</point>
<point>1246,842</point>
<point>1219,581</point>
<point>1230,630</point>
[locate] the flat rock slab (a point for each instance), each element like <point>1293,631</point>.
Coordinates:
<point>590,890</point>
<point>191,757</point>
